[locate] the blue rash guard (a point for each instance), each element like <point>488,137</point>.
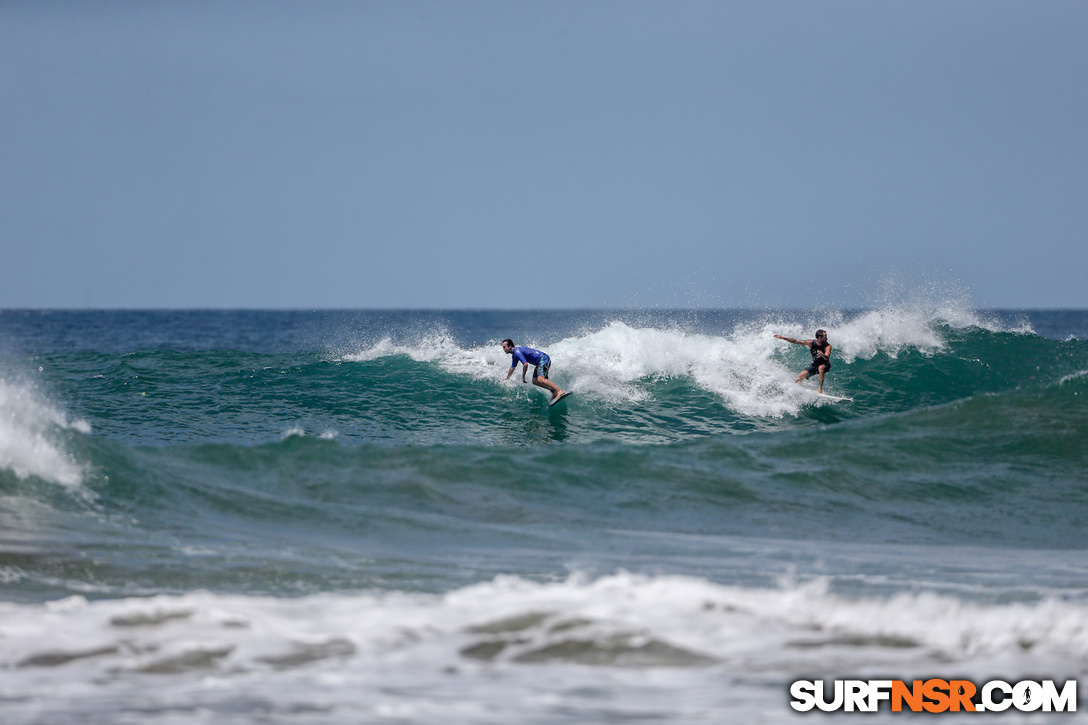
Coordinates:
<point>529,356</point>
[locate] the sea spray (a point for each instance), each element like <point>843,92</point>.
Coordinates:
<point>32,432</point>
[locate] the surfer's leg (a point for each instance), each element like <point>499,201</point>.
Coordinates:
<point>823,371</point>
<point>548,385</point>
<point>540,377</point>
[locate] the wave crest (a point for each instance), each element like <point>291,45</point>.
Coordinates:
<point>29,429</point>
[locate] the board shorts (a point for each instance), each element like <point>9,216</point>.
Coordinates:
<point>542,367</point>
<point>814,368</point>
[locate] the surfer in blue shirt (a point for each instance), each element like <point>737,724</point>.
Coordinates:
<point>821,356</point>
<point>528,356</point>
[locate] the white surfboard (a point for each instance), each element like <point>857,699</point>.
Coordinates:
<point>836,398</point>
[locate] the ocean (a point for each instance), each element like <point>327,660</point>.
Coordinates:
<point>347,516</point>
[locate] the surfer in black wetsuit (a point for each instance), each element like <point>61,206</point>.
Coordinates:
<point>821,356</point>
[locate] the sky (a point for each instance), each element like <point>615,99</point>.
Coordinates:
<point>542,155</point>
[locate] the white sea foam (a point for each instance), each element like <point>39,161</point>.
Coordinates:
<point>510,650</point>
<point>295,431</point>
<point>751,371</point>
<point>298,431</point>
<point>892,330</point>
<point>618,361</point>
<point>436,346</point>
<point>1073,376</point>
<point>31,430</point>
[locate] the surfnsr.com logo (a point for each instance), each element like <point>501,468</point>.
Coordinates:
<point>934,696</point>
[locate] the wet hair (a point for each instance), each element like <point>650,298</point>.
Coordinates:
<point>821,332</point>
<point>508,340</point>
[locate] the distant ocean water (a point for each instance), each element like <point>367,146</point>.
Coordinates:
<point>345,517</point>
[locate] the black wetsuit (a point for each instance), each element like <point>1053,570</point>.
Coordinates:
<point>818,358</point>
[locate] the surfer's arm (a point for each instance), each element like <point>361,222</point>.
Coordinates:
<point>513,367</point>
<point>514,364</point>
<point>524,367</point>
<point>795,342</point>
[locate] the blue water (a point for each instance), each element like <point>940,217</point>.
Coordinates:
<point>347,516</point>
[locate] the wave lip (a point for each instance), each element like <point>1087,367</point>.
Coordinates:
<point>29,428</point>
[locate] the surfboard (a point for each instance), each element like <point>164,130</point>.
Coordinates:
<point>564,396</point>
<point>836,398</point>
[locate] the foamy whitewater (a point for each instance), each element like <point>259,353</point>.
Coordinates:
<point>343,517</point>
<point>26,446</point>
